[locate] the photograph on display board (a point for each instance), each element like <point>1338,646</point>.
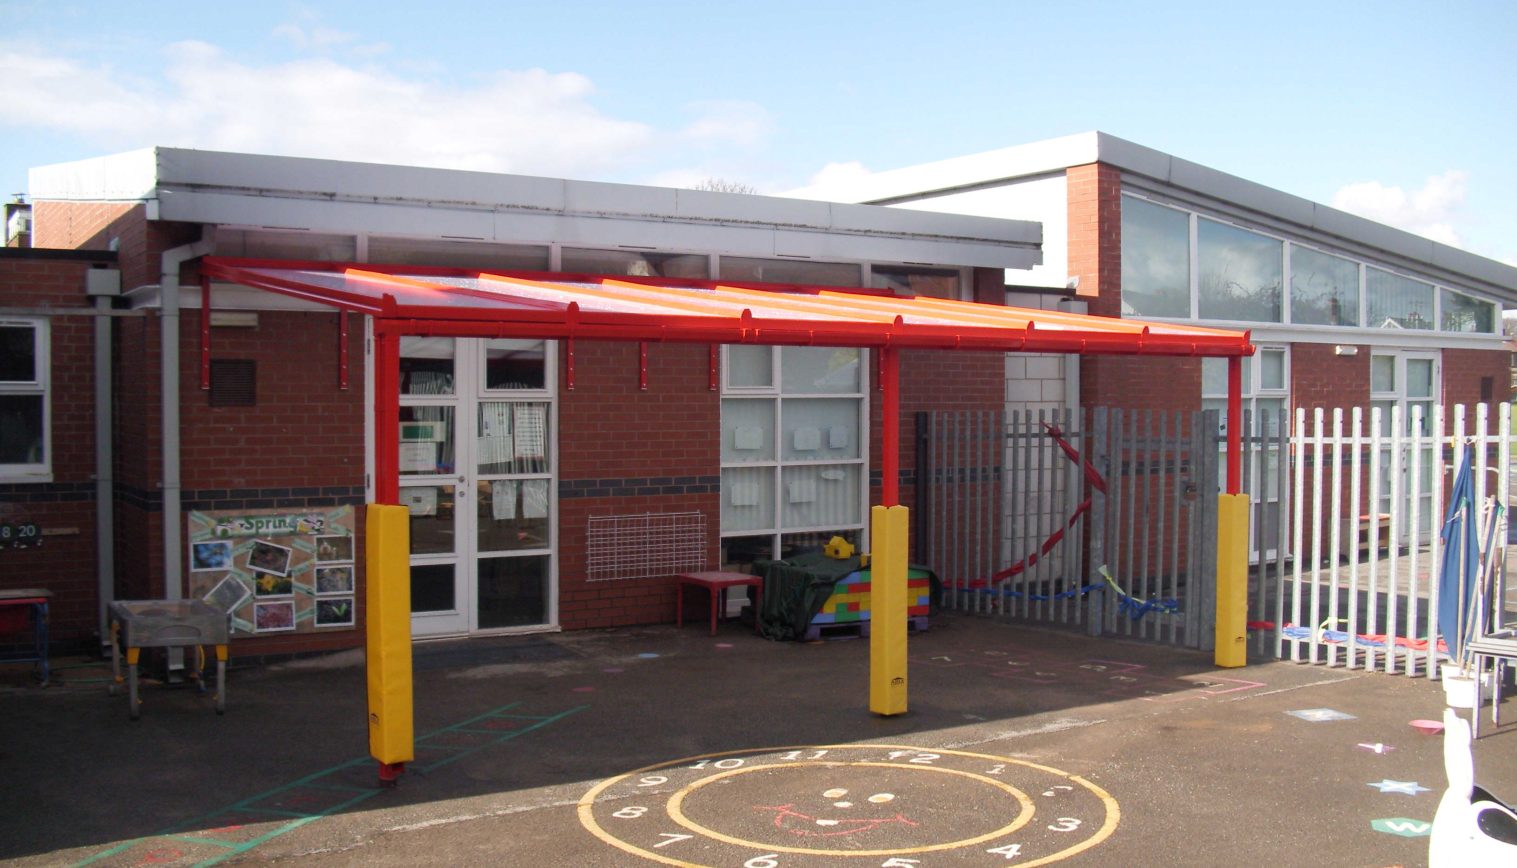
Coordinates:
<point>334,580</point>
<point>274,617</point>
<point>228,595</point>
<point>214,555</point>
<point>334,612</point>
<point>334,549</point>
<point>267,557</point>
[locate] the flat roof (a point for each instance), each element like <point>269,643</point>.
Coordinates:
<point>1007,165</point>
<point>255,190</point>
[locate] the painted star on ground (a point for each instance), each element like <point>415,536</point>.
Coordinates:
<point>1411,788</point>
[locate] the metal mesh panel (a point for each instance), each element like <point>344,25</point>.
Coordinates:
<point>645,545</point>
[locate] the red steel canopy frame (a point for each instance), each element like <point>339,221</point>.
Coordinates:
<point>416,300</point>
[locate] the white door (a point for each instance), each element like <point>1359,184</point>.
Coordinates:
<point>477,420</point>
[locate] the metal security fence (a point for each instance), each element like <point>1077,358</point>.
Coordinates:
<point>1353,580</point>
<point>1089,519</point>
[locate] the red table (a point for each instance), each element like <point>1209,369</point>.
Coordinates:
<point>716,583</point>
<point>16,608</point>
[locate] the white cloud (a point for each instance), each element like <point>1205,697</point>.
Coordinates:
<point>530,121</point>
<point>731,122</point>
<point>840,174</point>
<point>1430,211</point>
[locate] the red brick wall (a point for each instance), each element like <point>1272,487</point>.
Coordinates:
<point>1134,382</point>
<point>1322,378</point>
<point>64,509</point>
<point>95,225</point>
<point>1463,371</point>
<point>623,450</point>
<point>1095,235</point>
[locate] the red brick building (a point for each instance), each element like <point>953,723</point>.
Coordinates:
<point>1346,312</point>
<point>250,484</point>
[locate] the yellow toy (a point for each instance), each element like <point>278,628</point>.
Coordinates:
<point>838,549</point>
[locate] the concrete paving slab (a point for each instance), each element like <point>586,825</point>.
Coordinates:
<point>663,745</point>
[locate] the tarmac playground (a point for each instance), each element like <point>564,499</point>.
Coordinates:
<point>665,745</point>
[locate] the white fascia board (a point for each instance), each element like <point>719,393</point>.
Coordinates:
<point>527,227</point>
<point>817,245</point>
<point>974,170</point>
<point>340,180</point>
<point>126,177</point>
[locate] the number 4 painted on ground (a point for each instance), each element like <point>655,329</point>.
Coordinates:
<point>1010,851</point>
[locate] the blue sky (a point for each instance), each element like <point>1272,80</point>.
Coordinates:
<point>1402,111</point>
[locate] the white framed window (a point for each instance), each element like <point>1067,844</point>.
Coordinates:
<point>794,449</point>
<point>25,413</point>
<point>1179,263</point>
<point>1266,401</point>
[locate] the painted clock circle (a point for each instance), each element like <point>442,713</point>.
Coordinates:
<point>868,804</point>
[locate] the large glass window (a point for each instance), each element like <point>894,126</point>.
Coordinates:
<point>313,246</point>
<point>1155,259</point>
<point>1324,288</point>
<point>794,463</point>
<point>802,271</point>
<point>476,255</point>
<point>1239,273</point>
<point>1461,313</point>
<point>1397,302</point>
<point>24,434</point>
<point>635,263</point>
<point>906,280</point>
<point>1242,275</point>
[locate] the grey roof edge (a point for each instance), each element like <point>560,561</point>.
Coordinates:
<point>181,172</point>
<point>1020,162</point>
<point>1249,195</point>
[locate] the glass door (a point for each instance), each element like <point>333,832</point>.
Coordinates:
<point>1407,382</point>
<point>1266,392</point>
<point>477,473</point>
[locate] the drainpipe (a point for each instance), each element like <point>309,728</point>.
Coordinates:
<point>173,537</point>
<point>103,285</point>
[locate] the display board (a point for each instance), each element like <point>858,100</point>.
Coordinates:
<point>276,570</point>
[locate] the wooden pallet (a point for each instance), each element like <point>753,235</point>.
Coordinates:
<point>854,629</point>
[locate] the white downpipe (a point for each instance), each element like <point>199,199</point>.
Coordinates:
<point>173,538</point>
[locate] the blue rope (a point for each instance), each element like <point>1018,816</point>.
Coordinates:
<point>1127,604</point>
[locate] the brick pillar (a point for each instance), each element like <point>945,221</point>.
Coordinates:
<point>1095,235</point>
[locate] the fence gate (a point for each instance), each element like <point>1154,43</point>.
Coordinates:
<point>1103,520</point>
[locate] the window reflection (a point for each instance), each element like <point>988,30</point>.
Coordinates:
<point>1324,289</point>
<point>790,271</point>
<point>1398,302</point>
<point>903,280</point>
<point>1239,273</point>
<point>1155,259</point>
<point>635,263</point>
<point>1462,313</point>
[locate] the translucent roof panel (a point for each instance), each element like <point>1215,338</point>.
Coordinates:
<point>622,308</point>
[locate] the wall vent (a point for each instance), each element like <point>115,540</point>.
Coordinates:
<point>234,383</point>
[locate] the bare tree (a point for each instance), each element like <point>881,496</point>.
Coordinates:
<point>722,185</point>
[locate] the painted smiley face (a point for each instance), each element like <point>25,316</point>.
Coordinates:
<point>837,821</point>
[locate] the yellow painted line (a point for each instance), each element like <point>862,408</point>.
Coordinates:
<point>586,805</point>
